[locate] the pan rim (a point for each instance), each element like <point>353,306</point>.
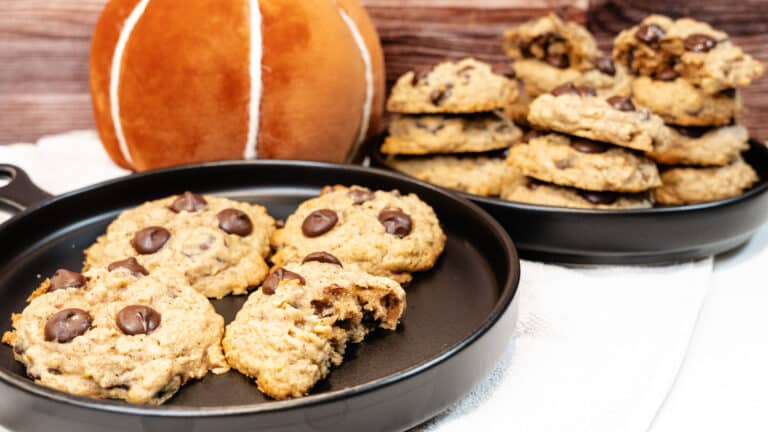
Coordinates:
<point>508,291</point>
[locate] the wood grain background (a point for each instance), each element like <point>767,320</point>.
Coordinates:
<point>44,46</point>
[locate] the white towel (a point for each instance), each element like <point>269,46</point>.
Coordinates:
<point>596,349</point>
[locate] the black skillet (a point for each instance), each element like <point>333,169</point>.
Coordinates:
<point>457,324</point>
<point>645,236</point>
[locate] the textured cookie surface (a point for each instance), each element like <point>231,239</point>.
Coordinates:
<point>289,335</point>
<point>697,185</point>
<point>680,103</point>
<point>467,86</point>
<point>540,77</point>
<point>583,164</point>
<point>382,233</point>
<point>98,354</point>
<point>418,135</point>
<point>595,118</point>
<point>220,245</point>
<point>476,175</point>
<point>553,41</point>
<point>531,191</point>
<point>702,146</point>
<point>663,48</point>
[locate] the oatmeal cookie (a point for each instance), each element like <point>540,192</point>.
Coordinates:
<point>702,146</point>
<point>476,175</point>
<point>531,191</point>
<point>698,185</point>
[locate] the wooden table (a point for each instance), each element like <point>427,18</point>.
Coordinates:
<point>44,46</point>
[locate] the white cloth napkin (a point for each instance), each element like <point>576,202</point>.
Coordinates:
<point>596,349</point>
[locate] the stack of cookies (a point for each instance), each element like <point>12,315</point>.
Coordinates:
<point>549,52</point>
<point>688,73</point>
<point>448,128</point>
<point>586,152</point>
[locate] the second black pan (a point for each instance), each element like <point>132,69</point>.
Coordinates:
<point>458,322</point>
<point>645,236</point>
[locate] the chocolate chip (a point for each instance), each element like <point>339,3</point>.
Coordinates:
<point>321,306</point>
<point>360,195</point>
<point>138,319</point>
<point>597,198</point>
<point>605,65</point>
<point>531,134</point>
<point>621,103</point>
<point>130,264</point>
<point>570,88</point>
<point>559,61</point>
<point>396,222</point>
<point>667,74</point>
<point>692,131</point>
<point>438,96</point>
<point>234,221</point>
<point>323,257</point>
<point>319,222</point>
<point>273,280</point>
<point>150,240</point>
<point>64,278</point>
<point>699,42</point>
<point>649,33</point>
<point>584,145</point>
<point>67,324</point>
<point>729,92</point>
<point>190,202</point>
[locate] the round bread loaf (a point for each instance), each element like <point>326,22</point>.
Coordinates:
<point>203,80</point>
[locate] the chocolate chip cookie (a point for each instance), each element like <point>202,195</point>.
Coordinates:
<point>539,78</point>
<point>291,332</point>
<point>583,164</point>
<point>702,146</point>
<point>680,103</point>
<point>219,244</point>
<point>419,135</point>
<point>552,41</point>
<point>467,86</point>
<point>125,333</point>
<point>665,49</point>
<point>476,175</point>
<point>577,110</point>
<point>382,233</point>
<point>697,185</point>
<point>531,191</point>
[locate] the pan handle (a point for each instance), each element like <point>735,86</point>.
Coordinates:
<point>20,192</point>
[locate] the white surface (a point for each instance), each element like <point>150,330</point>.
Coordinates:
<point>596,349</point>
<point>366,57</point>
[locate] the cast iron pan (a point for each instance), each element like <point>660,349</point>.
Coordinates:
<point>454,330</point>
<point>645,236</point>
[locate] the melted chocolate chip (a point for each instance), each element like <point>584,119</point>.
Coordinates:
<point>396,222</point>
<point>138,319</point>
<point>559,61</point>
<point>323,257</point>
<point>273,280</point>
<point>531,134</point>
<point>605,65</point>
<point>67,324</point>
<point>570,88</point>
<point>438,96</point>
<point>321,306</point>
<point>668,74</point>
<point>234,221</point>
<point>319,222</point>
<point>598,198</point>
<point>692,131</point>
<point>649,33</point>
<point>64,278</point>
<point>190,202</point>
<point>130,264</point>
<point>699,42</point>
<point>360,195</point>
<point>584,145</point>
<point>621,103</point>
<point>150,240</point>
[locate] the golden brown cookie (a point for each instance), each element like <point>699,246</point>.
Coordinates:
<point>530,191</point>
<point>476,175</point>
<point>697,185</point>
<point>702,146</point>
